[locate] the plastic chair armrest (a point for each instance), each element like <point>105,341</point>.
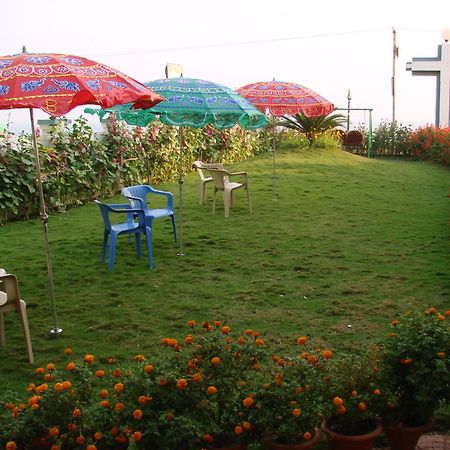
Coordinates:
<point>169,196</point>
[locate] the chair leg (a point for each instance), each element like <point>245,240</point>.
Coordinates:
<point>2,330</point>
<point>202,192</point>
<point>105,241</point>
<point>174,227</point>
<point>227,199</point>
<point>214,201</point>
<point>148,239</point>
<point>112,250</point>
<point>26,330</point>
<point>138,244</point>
<point>249,200</point>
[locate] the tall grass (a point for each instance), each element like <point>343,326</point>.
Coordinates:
<point>347,244</point>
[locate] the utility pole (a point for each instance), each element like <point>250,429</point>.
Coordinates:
<point>349,98</point>
<point>394,55</point>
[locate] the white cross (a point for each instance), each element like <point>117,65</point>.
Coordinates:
<point>440,68</point>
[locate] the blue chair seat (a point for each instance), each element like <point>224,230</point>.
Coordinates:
<point>130,226</point>
<point>137,196</point>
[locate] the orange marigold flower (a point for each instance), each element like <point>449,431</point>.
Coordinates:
<point>162,382</point>
<point>197,377</point>
<point>362,406</point>
<point>112,360</point>
<point>304,355</point>
<point>307,436</point>
<point>259,342</point>
<point>312,359</point>
<point>80,440</point>
<point>238,430</point>
<point>40,370</point>
<point>68,351</point>
<point>41,388</point>
<point>51,367</point>
<point>104,403</point>
<point>70,366</point>
<point>354,393</point>
<point>256,333</point>
<point>143,399</point>
<point>441,317</point>
<point>136,436</point>
<point>248,332</point>
<point>391,334</point>
<point>91,447</point>
<point>66,385</point>
<point>298,389</point>
<point>170,416</point>
<point>212,390</point>
<point>139,358</point>
<point>188,339</point>
<point>119,406</point>
<point>114,431</point>
<point>89,358</point>
<point>207,438</point>
<point>341,409</point>
<point>181,383</point>
<point>148,368</point>
<point>217,323</point>
<point>53,431</point>
<point>137,414</point>
<point>58,387</point>
<point>98,435</point>
<point>119,387</point>
<point>278,379</point>
<point>441,355</point>
<point>241,340</point>
<point>205,324</point>
<point>337,401</point>
<point>71,426</point>
<point>215,360</point>
<point>104,393</point>
<point>247,426</point>
<point>406,361</point>
<point>247,402</point>
<point>11,445</point>
<point>296,412</point>
<point>100,373</point>
<point>431,311</point>
<point>327,354</point>
<point>447,313</point>
<point>54,447</point>
<point>281,362</point>
<point>76,412</point>
<point>395,322</point>
<point>226,329</point>
<point>116,373</point>
<point>191,323</point>
<point>35,406</point>
<point>302,340</point>
<point>377,392</point>
<point>48,377</point>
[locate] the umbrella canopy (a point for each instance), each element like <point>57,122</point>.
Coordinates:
<point>282,98</point>
<point>56,84</point>
<point>194,103</point>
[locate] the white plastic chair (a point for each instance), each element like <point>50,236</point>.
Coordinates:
<point>200,167</point>
<point>222,183</point>
<point>10,301</point>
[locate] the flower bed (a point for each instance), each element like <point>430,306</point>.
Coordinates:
<point>214,387</point>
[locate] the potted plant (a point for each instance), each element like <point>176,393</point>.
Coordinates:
<point>289,401</point>
<point>354,402</point>
<point>415,364</point>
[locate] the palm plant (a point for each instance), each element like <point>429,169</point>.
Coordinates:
<point>312,127</point>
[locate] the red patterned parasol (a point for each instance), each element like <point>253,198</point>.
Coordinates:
<point>56,84</point>
<point>282,98</point>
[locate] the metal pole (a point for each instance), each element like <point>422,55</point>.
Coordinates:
<point>394,55</point>
<point>180,186</point>
<point>369,140</point>
<point>273,160</point>
<point>349,98</point>
<point>55,331</point>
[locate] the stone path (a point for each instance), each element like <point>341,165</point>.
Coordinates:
<point>432,442</point>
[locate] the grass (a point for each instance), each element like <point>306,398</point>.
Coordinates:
<point>348,244</point>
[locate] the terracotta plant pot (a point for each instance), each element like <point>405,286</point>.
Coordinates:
<point>406,438</point>
<point>338,441</point>
<point>230,447</point>
<point>312,443</point>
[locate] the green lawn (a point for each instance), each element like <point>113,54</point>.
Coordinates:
<point>349,243</point>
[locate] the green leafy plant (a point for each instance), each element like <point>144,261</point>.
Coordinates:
<point>312,127</point>
<point>289,403</point>
<point>354,397</point>
<point>415,365</point>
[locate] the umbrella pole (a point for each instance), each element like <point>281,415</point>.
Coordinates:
<point>55,331</point>
<point>273,162</point>
<point>180,186</point>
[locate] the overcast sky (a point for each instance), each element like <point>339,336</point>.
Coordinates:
<point>329,46</point>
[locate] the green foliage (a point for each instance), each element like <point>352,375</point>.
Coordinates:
<point>79,168</point>
<point>312,127</point>
<point>415,362</point>
<point>389,139</point>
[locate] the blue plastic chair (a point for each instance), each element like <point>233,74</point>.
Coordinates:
<point>137,196</point>
<point>129,227</point>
